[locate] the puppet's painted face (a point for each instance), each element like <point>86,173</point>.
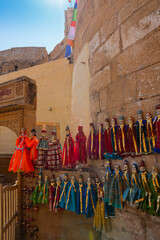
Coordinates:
<point>58,180</point>
<point>117,169</point>
<point>142,169</point>
<point>108,163</point>
<point>130,121</point>
<point>107,124</point>
<point>121,122</point>
<point>158,112</point>
<point>140,116</point>
<point>113,122</point>
<point>154,169</point>
<point>39,177</point>
<point>134,170</point>
<point>89,180</point>
<point>32,134</point>
<point>54,137</point>
<point>101,194</point>
<point>99,127</point>
<point>46,179</point>
<point>52,181</point>
<point>103,180</point>
<point>23,131</point>
<point>91,128</point>
<point>73,179</point>
<point>97,179</point>
<point>67,133</point>
<point>125,167</point>
<point>80,180</point>
<point>148,116</point>
<point>66,178</point>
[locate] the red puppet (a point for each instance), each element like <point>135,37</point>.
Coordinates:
<point>131,137</point>
<point>20,160</point>
<point>80,151</point>
<point>122,138</point>
<point>68,151</point>
<point>91,143</point>
<point>107,137</point>
<point>32,143</point>
<point>157,123</point>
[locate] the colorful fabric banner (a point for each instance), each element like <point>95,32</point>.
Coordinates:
<point>71,35</point>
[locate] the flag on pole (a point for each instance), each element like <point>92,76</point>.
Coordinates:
<point>71,35</point>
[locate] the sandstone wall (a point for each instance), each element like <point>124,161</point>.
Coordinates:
<point>15,59</point>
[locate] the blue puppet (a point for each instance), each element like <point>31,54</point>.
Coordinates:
<point>135,187</point>
<point>71,203</point>
<point>81,196</point>
<point>126,183</point>
<point>64,190</point>
<point>90,203</point>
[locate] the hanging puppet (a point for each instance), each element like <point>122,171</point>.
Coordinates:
<point>71,203</point>
<point>150,129</point>
<point>131,138</point>
<point>141,134</point>
<point>122,138</point>
<point>135,187</point>
<point>35,195</point>
<point>32,143</point>
<point>107,137</point>
<point>52,190</point>
<point>127,183</point>
<point>54,153</point>
<point>64,189</point>
<point>90,202</point>
<point>81,196</point>
<point>44,193</point>
<point>154,182</point>
<point>80,150</point>
<point>145,199</point>
<point>116,189</point>
<point>100,142</point>
<point>68,151</point>
<point>56,206</point>
<point>157,123</point>
<point>42,148</point>
<point>91,144</point>
<point>20,160</point>
<point>109,209</point>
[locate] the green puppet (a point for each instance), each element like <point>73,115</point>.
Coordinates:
<point>44,193</point>
<point>38,188</point>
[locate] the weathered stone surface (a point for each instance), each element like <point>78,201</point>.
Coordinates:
<point>94,43</point>
<point>140,24</point>
<point>148,82</point>
<point>105,53</point>
<point>108,28</point>
<point>114,94</point>
<point>146,52</point>
<point>103,100</point>
<point>152,230</point>
<point>100,80</point>
<point>129,8</point>
<point>129,88</point>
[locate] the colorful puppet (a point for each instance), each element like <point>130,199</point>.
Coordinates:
<point>52,190</point>
<point>122,138</point>
<point>141,134</point>
<point>63,197</point>
<point>44,193</point>
<point>150,129</point>
<point>56,206</point>
<point>91,144</point>
<point>32,143</point>
<point>81,196</point>
<point>20,160</point>
<point>116,189</point>
<point>38,188</point>
<point>157,123</point>
<point>107,137</point>
<point>42,148</point>
<point>68,151</point>
<point>90,203</point>
<point>81,150</point>
<point>135,187</point>
<point>71,203</point>
<point>109,209</point>
<point>100,143</point>
<point>127,183</point>
<point>54,153</point>
<point>131,138</point>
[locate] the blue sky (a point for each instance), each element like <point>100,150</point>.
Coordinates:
<point>25,23</point>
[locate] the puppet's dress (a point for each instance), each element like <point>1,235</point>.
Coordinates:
<point>20,160</point>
